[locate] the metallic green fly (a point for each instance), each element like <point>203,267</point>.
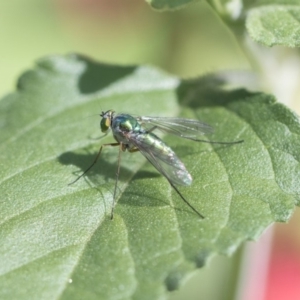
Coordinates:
<point>136,134</point>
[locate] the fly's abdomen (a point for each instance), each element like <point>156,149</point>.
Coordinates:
<point>162,157</point>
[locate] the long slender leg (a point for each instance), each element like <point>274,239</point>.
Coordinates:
<point>174,187</point>
<point>151,129</point>
<point>133,150</point>
<point>215,142</point>
<point>181,196</point>
<point>116,183</point>
<point>95,160</point>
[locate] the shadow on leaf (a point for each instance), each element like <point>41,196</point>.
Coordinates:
<point>102,167</point>
<point>208,91</point>
<point>98,75</point>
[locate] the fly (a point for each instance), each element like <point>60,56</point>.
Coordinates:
<point>136,134</point>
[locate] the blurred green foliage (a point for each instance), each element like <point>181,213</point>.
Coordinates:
<point>188,42</point>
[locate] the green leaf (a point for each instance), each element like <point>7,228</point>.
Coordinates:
<point>57,241</point>
<point>269,22</point>
<point>169,4</point>
<point>275,24</point>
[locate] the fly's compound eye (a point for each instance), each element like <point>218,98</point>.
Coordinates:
<point>105,124</point>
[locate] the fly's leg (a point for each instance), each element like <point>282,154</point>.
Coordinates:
<point>190,205</point>
<point>122,148</point>
<point>151,129</point>
<point>172,185</point>
<point>95,160</point>
<point>133,150</point>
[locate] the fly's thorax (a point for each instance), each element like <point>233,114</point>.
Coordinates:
<point>122,125</point>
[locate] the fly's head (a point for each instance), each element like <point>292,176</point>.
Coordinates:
<point>106,120</point>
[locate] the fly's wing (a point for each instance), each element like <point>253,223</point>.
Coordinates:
<point>166,162</point>
<point>185,128</point>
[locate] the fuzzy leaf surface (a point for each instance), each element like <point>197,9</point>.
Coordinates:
<point>58,242</point>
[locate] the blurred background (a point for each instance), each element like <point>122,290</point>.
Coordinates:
<point>189,42</point>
